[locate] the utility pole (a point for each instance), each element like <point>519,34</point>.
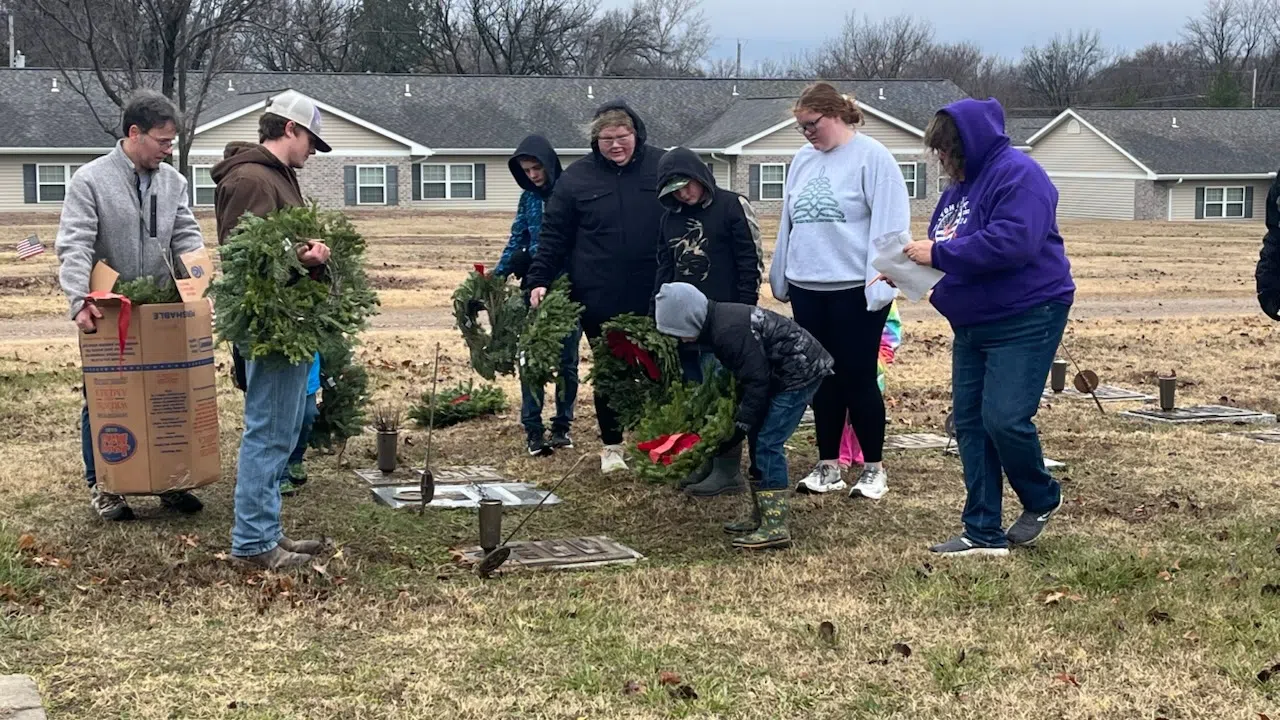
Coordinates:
<point>13,55</point>
<point>737,67</point>
<point>1255,88</point>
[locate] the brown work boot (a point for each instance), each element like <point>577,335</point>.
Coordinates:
<point>305,547</point>
<point>277,558</point>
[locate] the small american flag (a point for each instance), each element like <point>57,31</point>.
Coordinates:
<point>29,247</point>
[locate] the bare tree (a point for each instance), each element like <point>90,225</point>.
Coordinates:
<point>526,37</point>
<point>301,35</point>
<point>181,45</point>
<point>1057,74</point>
<point>866,49</point>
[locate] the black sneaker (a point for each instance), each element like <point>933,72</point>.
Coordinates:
<point>182,501</point>
<point>537,445</point>
<point>1030,526</point>
<point>560,440</point>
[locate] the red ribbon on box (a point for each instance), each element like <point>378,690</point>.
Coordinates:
<point>122,322</point>
<point>663,450</point>
<point>622,347</point>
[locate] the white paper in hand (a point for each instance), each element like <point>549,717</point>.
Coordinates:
<point>912,279</point>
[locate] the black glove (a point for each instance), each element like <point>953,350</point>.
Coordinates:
<point>520,263</point>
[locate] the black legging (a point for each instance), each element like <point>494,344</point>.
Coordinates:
<point>610,428</point>
<point>840,321</point>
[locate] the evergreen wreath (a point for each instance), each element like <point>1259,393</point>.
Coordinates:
<point>344,393</point>
<point>542,342</point>
<point>492,351</point>
<point>270,305</point>
<point>633,365</point>
<point>148,290</point>
<point>458,404</point>
<point>703,412</point>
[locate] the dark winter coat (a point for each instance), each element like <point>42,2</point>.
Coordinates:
<point>602,219</point>
<point>527,227</point>
<point>1268,271</point>
<point>768,354</point>
<point>714,245</point>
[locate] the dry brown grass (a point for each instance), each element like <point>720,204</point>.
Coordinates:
<point>1162,556</point>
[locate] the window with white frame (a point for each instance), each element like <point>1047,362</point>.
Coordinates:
<point>944,182</point>
<point>51,182</point>
<point>202,182</point>
<point>909,175</point>
<point>371,185</point>
<point>448,182</point>
<point>1224,202</point>
<point>773,178</point>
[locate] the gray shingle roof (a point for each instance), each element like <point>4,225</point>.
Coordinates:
<point>1205,142</point>
<point>460,111</point>
<point>1020,129</point>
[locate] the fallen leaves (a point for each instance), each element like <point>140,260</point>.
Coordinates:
<point>684,692</point>
<point>1054,596</point>
<point>632,687</point>
<point>1155,616</point>
<point>1270,589</point>
<point>1067,679</point>
<point>1266,673</point>
<point>902,649</point>
<point>26,542</point>
<point>668,678</point>
<point>190,540</point>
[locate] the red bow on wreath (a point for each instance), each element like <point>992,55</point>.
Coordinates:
<point>663,450</point>
<point>622,347</point>
<point>460,399</point>
<point>479,268</point>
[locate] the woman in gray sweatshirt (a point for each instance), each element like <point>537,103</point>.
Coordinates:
<point>843,191</point>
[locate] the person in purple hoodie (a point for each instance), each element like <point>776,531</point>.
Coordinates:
<point>1007,292</point>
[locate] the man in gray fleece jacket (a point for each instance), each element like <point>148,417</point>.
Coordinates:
<point>130,210</point>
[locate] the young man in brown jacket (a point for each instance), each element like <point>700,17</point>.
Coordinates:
<point>260,179</point>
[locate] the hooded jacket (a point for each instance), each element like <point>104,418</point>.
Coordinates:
<point>1267,274</point>
<point>766,353</point>
<point>996,234</point>
<point>714,245</point>
<point>602,220</point>
<point>523,244</point>
<point>250,179</point>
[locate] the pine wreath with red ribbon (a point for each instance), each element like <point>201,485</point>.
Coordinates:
<point>633,365</point>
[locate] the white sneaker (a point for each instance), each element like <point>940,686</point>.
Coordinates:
<point>872,484</point>
<point>611,459</point>
<point>824,479</point>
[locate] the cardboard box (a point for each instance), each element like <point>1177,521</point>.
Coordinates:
<point>151,386</point>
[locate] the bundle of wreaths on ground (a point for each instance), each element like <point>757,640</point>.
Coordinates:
<point>458,404</point>
<point>273,308</point>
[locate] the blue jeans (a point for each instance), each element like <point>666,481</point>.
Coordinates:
<point>309,413</point>
<point>272,421</point>
<point>768,444</point>
<point>533,398</point>
<point>998,370</point>
<point>696,362</point>
<point>86,443</point>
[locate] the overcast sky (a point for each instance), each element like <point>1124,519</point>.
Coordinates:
<point>778,28</point>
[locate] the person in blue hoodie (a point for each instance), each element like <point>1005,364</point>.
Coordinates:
<point>536,167</point>
<point>1007,293</point>
<point>295,472</point>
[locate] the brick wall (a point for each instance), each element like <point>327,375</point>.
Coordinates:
<point>1150,201</point>
<point>322,179</point>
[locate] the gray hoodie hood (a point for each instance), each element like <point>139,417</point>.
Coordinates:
<point>680,310</point>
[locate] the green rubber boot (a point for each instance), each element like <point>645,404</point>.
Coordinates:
<point>774,507</point>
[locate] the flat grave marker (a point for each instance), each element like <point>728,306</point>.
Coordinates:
<point>1200,414</point>
<point>456,496</point>
<point>1106,393</point>
<point>1049,464</point>
<point>448,475</point>
<point>577,553</point>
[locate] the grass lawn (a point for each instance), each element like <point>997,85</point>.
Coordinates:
<point>1156,592</point>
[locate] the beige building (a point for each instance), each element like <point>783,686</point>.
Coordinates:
<point>1161,164</point>
<point>434,141</point>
